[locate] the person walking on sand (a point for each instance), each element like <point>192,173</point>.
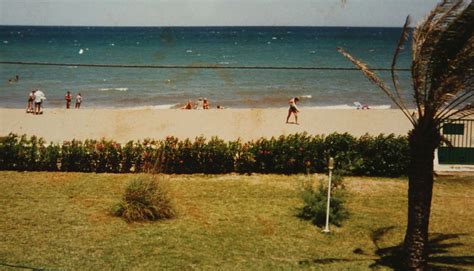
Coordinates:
<point>78,100</point>
<point>293,109</point>
<point>68,99</point>
<point>39,98</point>
<point>31,99</point>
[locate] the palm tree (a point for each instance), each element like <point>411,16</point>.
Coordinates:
<point>442,77</point>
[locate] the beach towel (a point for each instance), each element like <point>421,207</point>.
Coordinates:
<point>360,106</point>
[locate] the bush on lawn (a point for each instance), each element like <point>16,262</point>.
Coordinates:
<point>315,204</point>
<point>145,198</point>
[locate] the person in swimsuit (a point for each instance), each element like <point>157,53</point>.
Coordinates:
<point>189,105</point>
<point>293,109</point>
<point>78,100</point>
<point>31,99</point>
<point>68,99</point>
<point>205,104</point>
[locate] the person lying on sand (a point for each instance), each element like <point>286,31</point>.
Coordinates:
<point>189,105</point>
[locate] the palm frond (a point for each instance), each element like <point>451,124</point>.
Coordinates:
<point>401,42</point>
<point>442,67</point>
<point>419,63</point>
<point>457,86</point>
<point>452,56</point>
<point>466,110</point>
<point>376,80</point>
<point>459,101</point>
<point>426,37</point>
<point>453,81</point>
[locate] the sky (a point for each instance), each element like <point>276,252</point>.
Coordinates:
<point>383,13</point>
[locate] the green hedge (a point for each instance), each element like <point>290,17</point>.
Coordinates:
<point>383,155</point>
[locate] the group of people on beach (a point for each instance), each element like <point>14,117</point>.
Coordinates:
<point>35,101</point>
<point>68,99</point>
<point>37,97</point>
<point>202,103</point>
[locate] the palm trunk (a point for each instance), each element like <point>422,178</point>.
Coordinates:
<point>423,141</point>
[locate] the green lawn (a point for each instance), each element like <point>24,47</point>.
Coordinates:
<point>62,221</point>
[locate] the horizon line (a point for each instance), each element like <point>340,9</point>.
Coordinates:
<point>191,26</point>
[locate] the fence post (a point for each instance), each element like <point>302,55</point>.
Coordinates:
<point>330,167</point>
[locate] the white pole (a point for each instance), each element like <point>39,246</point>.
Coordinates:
<point>330,167</point>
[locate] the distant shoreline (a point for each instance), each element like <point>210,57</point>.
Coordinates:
<point>213,106</point>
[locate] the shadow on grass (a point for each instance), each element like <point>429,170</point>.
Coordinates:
<point>392,257</point>
<point>438,244</point>
<point>20,267</point>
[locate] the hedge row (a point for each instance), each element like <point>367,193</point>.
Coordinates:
<point>383,155</point>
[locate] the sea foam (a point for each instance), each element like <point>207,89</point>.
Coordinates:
<point>161,106</point>
<point>347,106</point>
<point>113,89</point>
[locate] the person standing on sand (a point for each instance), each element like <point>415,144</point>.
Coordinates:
<point>39,98</point>
<point>68,99</point>
<point>78,100</point>
<point>293,109</point>
<point>31,99</point>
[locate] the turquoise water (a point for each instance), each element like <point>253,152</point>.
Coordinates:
<point>224,46</point>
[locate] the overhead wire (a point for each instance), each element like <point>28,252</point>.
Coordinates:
<point>216,66</point>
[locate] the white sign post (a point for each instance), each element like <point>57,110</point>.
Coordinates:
<point>330,167</point>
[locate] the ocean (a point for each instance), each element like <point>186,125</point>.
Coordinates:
<point>107,87</point>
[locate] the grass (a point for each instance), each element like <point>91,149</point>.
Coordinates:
<point>63,221</point>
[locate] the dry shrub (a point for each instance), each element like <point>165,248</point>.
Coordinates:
<point>146,198</point>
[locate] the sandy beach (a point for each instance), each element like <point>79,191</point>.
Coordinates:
<point>123,125</point>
